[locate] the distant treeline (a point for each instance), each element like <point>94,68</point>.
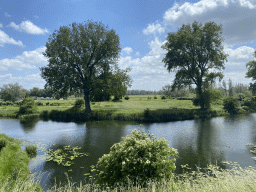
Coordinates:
<point>143,92</point>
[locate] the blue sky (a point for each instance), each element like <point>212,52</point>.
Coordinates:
<point>141,25</point>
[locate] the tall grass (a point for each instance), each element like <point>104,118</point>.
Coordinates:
<point>237,179</point>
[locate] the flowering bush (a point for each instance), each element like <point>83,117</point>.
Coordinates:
<point>137,158</point>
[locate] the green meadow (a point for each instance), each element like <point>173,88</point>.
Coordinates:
<point>132,109</point>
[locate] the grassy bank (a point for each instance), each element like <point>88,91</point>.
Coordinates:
<point>235,180</point>
<point>13,164</point>
<point>142,108</point>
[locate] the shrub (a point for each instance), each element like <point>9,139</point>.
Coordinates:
<point>27,106</point>
<point>47,103</point>
<point>126,98</point>
<point>163,97</point>
<point>39,103</point>
<point>230,105</point>
<point>149,97</point>
<point>79,103</point>
<point>155,97</point>
<point>1,103</point>
<point>31,150</point>
<point>137,158</point>
<point>9,103</point>
<point>240,96</point>
<point>18,103</point>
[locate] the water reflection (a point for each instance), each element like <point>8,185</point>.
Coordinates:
<point>198,149</point>
<point>29,125</point>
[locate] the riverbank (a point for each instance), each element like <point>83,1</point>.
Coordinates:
<point>140,108</point>
<point>236,179</point>
<point>13,165</point>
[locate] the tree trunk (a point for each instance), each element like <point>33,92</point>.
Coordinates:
<point>87,102</point>
<point>201,97</point>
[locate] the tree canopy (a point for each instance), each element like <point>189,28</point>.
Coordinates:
<point>251,73</point>
<point>80,57</point>
<point>196,54</point>
<point>12,92</point>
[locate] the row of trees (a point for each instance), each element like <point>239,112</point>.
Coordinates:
<point>15,92</point>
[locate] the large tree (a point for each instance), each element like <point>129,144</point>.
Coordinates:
<point>251,73</point>
<point>195,53</point>
<point>78,55</point>
<point>12,92</point>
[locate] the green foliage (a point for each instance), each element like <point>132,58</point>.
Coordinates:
<point>240,97</point>
<point>90,52</point>
<point>138,157</point>
<point>126,98</point>
<point>12,92</point>
<point>27,106</point>
<point>39,103</point>
<point>155,97</point>
<point>31,150</point>
<point>230,105</point>
<point>208,96</point>
<point>193,52</point>
<point>13,161</point>
<point>167,90</point>
<point>251,73</point>
<point>79,103</point>
<point>163,97</point>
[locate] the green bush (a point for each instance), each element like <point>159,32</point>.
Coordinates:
<point>126,98</point>
<point>9,103</point>
<point>31,150</point>
<point>139,157</point>
<point>163,97</point>
<point>39,103</point>
<point>27,106</point>
<point>230,105</point>
<point>79,103</point>
<point>155,97</point>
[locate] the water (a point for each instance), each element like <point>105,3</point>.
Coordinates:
<point>199,142</point>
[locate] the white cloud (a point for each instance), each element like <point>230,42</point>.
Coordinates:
<point>237,17</point>
<point>7,14</point>
<point>28,27</point>
<point>27,82</point>
<point>148,72</point>
<point>5,39</point>
<point>27,60</point>
<point>137,53</point>
<point>127,50</point>
<point>153,29</point>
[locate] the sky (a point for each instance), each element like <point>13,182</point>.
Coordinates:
<point>142,26</point>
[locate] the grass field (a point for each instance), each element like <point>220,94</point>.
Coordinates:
<point>124,110</point>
